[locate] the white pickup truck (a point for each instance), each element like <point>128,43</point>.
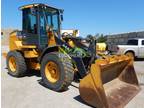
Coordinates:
<point>133,48</point>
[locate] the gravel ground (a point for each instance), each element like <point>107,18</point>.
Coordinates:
<point>27,92</point>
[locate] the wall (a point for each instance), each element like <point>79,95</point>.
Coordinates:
<point>5,36</point>
<point>122,38</point>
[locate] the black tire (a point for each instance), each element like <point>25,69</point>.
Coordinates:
<point>21,67</point>
<point>66,71</point>
<point>130,54</point>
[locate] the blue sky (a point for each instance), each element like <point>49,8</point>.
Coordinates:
<point>89,16</point>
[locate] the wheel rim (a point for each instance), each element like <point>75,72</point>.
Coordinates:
<point>12,64</point>
<point>52,72</point>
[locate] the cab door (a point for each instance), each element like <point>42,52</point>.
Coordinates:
<point>43,38</point>
<point>30,25</point>
<point>141,49</point>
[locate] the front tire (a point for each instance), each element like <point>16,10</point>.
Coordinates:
<point>56,71</point>
<point>16,64</point>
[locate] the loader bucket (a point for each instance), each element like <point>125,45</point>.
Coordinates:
<point>111,83</point>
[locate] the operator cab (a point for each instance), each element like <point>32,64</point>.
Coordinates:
<point>37,19</point>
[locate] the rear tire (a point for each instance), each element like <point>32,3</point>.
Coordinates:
<point>16,64</point>
<point>62,68</point>
<point>131,55</point>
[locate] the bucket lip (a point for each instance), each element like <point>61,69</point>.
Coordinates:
<point>112,59</point>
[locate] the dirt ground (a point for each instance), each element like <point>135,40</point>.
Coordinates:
<point>27,92</point>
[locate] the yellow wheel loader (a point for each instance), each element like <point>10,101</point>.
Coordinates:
<point>109,82</point>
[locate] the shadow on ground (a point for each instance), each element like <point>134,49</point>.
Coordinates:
<point>74,86</point>
<point>30,73</point>
<point>141,84</point>
<point>33,73</point>
<point>79,99</point>
<point>40,81</point>
<point>139,59</point>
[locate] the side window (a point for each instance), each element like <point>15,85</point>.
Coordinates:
<point>32,27</point>
<point>29,22</point>
<point>42,24</point>
<point>143,42</point>
<point>132,42</point>
<point>49,19</point>
<point>55,22</point>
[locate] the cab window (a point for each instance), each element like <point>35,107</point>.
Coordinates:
<point>42,24</point>
<point>49,16</point>
<point>29,21</point>
<point>55,22</point>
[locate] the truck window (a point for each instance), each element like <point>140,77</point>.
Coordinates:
<point>132,42</point>
<point>142,42</point>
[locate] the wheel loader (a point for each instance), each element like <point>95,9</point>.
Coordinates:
<point>105,82</point>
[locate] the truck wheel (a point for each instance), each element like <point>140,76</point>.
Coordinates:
<point>16,64</point>
<point>131,55</point>
<point>56,71</point>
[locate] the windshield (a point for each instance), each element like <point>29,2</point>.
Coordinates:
<point>51,17</point>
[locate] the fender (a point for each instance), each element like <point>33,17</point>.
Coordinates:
<point>48,50</point>
<point>130,50</point>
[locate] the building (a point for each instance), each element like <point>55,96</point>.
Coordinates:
<point>123,38</point>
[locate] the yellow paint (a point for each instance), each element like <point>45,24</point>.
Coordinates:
<point>28,50</point>
<point>99,85</point>
<point>12,64</point>
<point>101,49</point>
<point>30,54</point>
<point>71,43</point>
<point>112,59</point>
<point>101,46</point>
<point>34,65</point>
<point>16,43</point>
<point>91,88</point>
<point>28,6</point>
<point>52,72</point>
<point>51,39</point>
<point>12,39</point>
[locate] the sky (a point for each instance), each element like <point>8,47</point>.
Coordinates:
<point>89,16</point>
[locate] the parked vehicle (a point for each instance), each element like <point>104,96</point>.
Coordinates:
<point>134,48</point>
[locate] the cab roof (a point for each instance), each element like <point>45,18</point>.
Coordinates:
<point>36,5</point>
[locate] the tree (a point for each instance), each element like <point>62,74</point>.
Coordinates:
<point>101,38</point>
